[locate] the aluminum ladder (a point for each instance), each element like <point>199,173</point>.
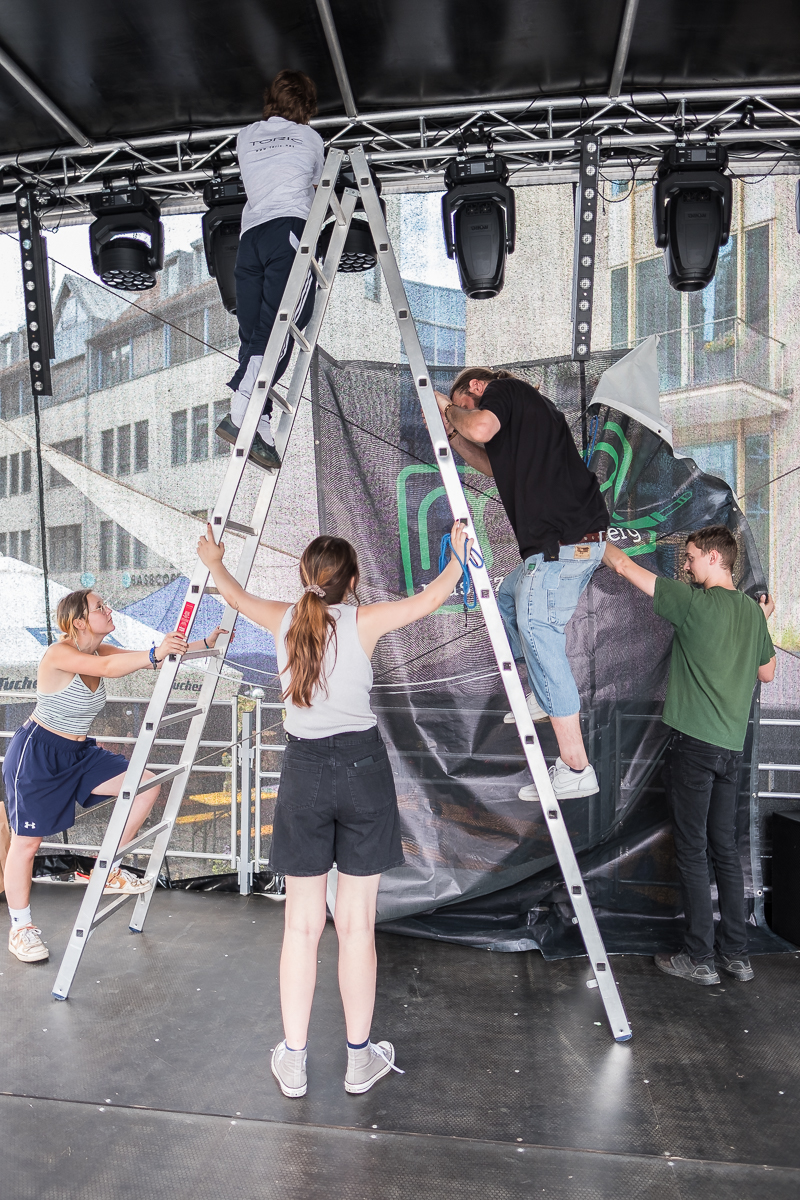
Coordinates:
<point>111,851</point>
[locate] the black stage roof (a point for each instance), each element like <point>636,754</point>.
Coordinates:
<point>122,68</point>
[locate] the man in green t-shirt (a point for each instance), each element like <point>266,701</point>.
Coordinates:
<point>721,647</point>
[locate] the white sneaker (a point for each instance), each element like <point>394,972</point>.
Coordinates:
<point>26,943</point>
<point>122,882</point>
<point>534,708</point>
<point>567,784</point>
<point>367,1066</point>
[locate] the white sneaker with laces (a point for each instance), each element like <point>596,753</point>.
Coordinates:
<point>534,708</point>
<point>567,784</point>
<point>26,943</point>
<point>124,883</point>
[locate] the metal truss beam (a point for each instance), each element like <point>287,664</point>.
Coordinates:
<point>43,100</point>
<point>540,137</point>
<point>335,51</point>
<point>623,47</point>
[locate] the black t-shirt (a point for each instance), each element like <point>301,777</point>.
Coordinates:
<point>549,495</point>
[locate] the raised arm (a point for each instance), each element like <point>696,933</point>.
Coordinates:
<point>374,620</point>
<point>266,613</point>
<point>644,580</point>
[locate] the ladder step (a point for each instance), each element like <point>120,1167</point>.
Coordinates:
<point>280,400</point>
<point>106,912</point>
<point>237,527</point>
<point>300,338</point>
<point>164,777</point>
<point>130,846</point>
<point>211,591</point>
<point>190,654</point>
<point>322,278</point>
<point>184,715</point>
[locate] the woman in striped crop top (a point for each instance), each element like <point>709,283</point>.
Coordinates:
<point>336,796</point>
<point>51,765</point>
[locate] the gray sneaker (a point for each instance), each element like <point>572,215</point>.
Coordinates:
<point>680,964</point>
<point>739,967</point>
<point>534,708</point>
<point>367,1066</point>
<point>289,1068</point>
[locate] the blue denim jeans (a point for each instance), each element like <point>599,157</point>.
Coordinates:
<point>536,600</point>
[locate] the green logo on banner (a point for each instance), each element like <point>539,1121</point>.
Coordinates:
<point>622,457</point>
<point>414,501</point>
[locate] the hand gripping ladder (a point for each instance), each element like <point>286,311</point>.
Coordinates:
<point>111,852</point>
<point>491,614</point>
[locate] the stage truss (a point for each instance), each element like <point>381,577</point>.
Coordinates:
<point>540,138</point>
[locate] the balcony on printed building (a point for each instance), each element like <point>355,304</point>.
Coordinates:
<point>721,371</point>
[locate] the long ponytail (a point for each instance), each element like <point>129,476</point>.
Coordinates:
<point>329,570</point>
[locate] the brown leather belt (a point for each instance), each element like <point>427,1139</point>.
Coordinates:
<point>599,535</point>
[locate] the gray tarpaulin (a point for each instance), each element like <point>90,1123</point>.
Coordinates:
<point>479,862</point>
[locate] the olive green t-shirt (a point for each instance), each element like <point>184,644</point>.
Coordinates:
<point>721,639</point>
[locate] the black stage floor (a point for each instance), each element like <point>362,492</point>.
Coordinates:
<point>153,1080</point>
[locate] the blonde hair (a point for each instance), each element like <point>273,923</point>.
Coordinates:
<point>71,608</point>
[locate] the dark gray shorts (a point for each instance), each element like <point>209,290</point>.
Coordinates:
<point>336,804</point>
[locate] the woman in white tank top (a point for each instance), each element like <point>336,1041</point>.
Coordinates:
<point>336,798</point>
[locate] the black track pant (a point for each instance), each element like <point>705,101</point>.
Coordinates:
<point>263,262</point>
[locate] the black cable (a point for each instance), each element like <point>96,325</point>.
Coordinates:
<point>133,304</point>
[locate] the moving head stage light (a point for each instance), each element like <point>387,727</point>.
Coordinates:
<point>128,263</point>
<point>692,212</point>
<point>359,253</point>
<point>222,226</point>
<point>479,220</point>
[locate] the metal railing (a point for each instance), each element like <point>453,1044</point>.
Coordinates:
<point>717,352</point>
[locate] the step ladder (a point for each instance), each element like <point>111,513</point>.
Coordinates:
<point>111,852</point>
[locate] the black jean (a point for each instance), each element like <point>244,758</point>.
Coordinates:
<point>264,259</point>
<point>702,786</point>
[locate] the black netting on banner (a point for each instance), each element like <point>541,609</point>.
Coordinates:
<point>480,867</point>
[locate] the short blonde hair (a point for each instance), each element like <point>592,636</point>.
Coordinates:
<point>71,608</point>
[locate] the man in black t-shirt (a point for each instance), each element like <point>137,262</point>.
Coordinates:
<point>509,431</point>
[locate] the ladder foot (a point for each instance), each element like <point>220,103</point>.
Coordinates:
<point>623,1037</point>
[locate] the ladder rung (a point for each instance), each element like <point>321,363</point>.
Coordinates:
<point>109,910</point>
<point>336,209</point>
<point>130,846</point>
<point>322,278</point>
<point>164,777</point>
<point>211,591</point>
<point>237,527</point>
<point>184,715</point>
<point>300,338</point>
<point>280,400</point>
<point>190,654</point>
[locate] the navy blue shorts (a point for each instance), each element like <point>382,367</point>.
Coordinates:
<point>46,775</point>
<point>336,803</point>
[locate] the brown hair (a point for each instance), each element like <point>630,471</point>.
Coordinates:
<point>464,378</point>
<point>719,538</point>
<point>329,564</point>
<point>291,95</point>
<point>71,608</point>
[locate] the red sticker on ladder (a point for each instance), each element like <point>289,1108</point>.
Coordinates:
<point>186,616</point>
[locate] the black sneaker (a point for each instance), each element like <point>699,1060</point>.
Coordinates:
<point>261,454</point>
<point>738,967</point>
<point>680,964</point>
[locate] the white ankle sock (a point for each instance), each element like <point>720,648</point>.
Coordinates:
<point>265,429</point>
<point>20,917</point>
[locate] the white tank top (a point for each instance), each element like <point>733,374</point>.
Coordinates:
<point>341,705</point>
